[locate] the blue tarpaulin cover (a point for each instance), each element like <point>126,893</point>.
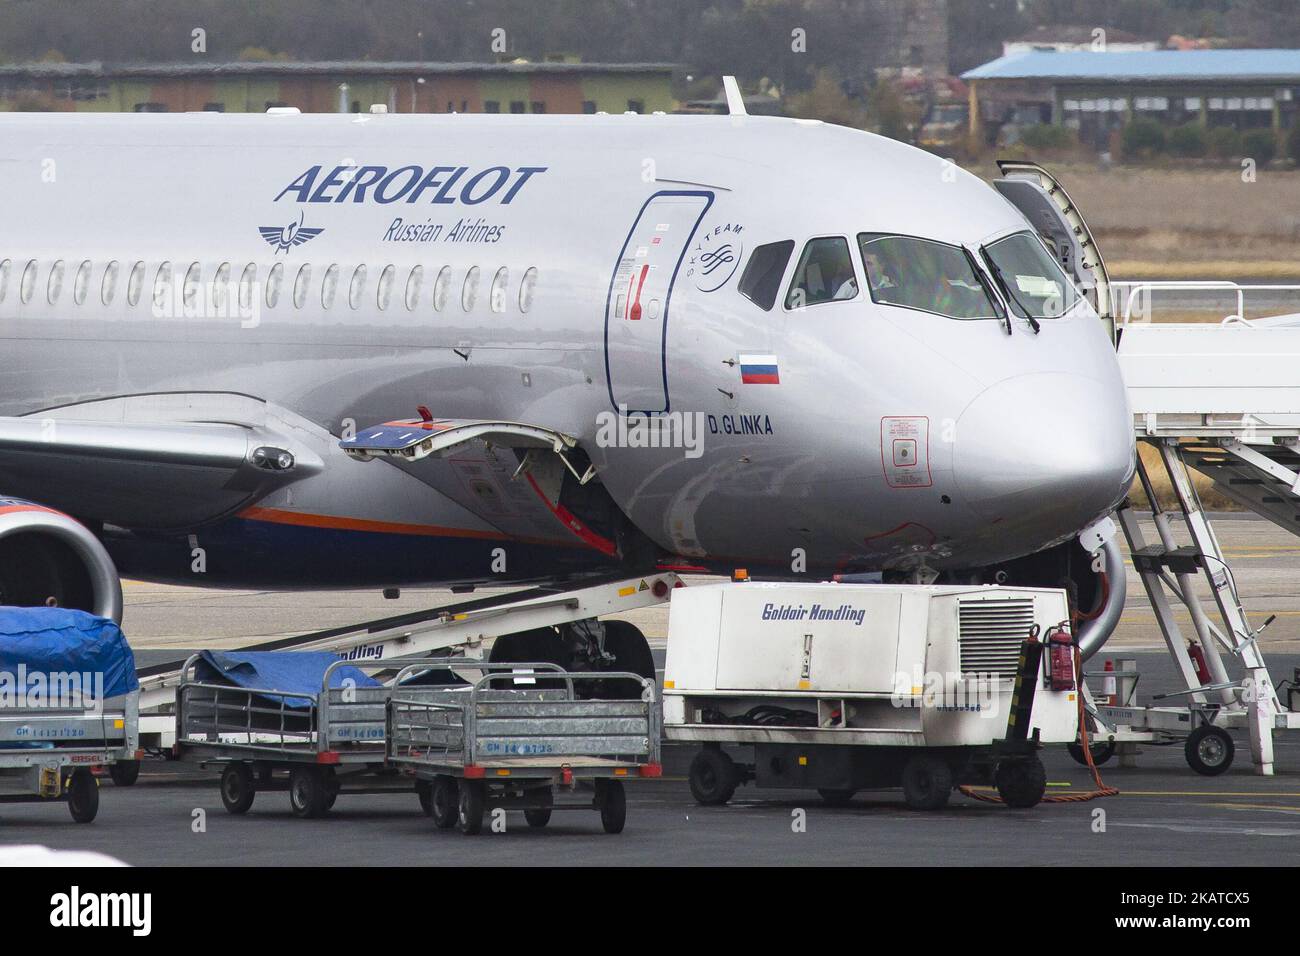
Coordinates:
<point>60,640</point>
<point>299,672</point>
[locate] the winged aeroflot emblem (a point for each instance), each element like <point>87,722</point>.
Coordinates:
<point>294,234</point>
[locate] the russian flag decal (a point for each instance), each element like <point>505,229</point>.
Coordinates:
<point>759,370</point>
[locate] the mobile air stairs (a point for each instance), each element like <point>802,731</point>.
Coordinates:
<point>1221,398</point>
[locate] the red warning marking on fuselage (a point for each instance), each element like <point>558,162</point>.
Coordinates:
<point>634,313</point>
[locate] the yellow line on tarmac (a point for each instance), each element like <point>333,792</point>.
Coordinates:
<point>1253,806</point>
<point>1206,793</point>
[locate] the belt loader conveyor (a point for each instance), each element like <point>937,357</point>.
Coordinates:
<point>459,628</point>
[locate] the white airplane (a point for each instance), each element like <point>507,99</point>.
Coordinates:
<point>575,345</point>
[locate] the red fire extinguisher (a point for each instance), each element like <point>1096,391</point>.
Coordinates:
<point>1197,655</point>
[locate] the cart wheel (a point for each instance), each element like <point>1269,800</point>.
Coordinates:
<point>124,772</point>
<point>469,810</point>
<point>83,795</point>
<point>1101,752</point>
<point>237,788</point>
<point>424,790</point>
<point>1021,782</point>
<point>836,798</point>
<point>612,799</point>
<point>444,802</point>
<point>330,799</point>
<point>308,792</point>
<point>538,817</point>
<point>927,782</point>
<point>1209,750</point>
<point>712,777</point>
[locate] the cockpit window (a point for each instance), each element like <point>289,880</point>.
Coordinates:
<point>761,281</point>
<point>926,275</point>
<point>825,274</point>
<point>1030,279</point>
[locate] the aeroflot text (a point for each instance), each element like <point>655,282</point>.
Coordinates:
<point>818,612</point>
<point>438,184</point>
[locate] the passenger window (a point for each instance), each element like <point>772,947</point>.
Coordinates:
<point>357,287</point>
<point>246,282</point>
<point>413,282</point>
<point>498,295</point>
<point>81,282</point>
<point>190,289</point>
<point>384,293</point>
<point>220,290</point>
<point>469,291</point>
<point>527,289</point>
<point>441,286</point>
<point>922,274</point>
<point>54,287</point>
<point>4,278</point>
<point>761,281</point>
<point>108,287</point>
<point>274,279</point>
<point>162,286</point>
<point>330,287</point>
<point>300,285</point>
<point>135,284</point>
<point>825,274</point>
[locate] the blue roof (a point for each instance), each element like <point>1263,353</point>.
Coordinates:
<point>1153,65</point>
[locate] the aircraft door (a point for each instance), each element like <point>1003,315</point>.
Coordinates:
<point>640,292</point>
<point>1044,202</point>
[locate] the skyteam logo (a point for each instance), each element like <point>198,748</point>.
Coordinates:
<point>714,257</point>
<point>286,237</point>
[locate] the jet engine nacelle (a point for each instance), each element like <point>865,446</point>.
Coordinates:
<point>47,557</point>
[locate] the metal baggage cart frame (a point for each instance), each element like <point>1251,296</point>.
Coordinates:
<point>72,742</point>
<point>481,748</point>
<point>333,746</point>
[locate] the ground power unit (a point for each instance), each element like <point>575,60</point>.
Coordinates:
<point>841,687</point>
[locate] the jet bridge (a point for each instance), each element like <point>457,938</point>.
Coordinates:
<point>1220,398</point>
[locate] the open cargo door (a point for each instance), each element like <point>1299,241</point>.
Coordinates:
<point>1044,202</point>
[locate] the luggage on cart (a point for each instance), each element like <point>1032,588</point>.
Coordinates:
<point>69,702</point>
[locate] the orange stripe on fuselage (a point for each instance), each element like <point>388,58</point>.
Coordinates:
<point>336,523</point>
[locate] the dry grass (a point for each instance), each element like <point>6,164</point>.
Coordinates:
<point>1155,222</point>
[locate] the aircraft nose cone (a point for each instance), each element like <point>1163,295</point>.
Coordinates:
<point>1047,451</point>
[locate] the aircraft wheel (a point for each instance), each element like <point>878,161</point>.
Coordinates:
<point>631,653</point>
<point>1209,750</point>
<point>237,788</point>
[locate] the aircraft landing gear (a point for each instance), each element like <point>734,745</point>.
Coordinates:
<point>584,646</point>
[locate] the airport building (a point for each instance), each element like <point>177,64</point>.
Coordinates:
<point>329,87</point>
<point>1096,92</point>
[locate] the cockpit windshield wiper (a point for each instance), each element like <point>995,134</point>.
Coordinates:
<point>993,299</point>
<point>1011,297</point>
